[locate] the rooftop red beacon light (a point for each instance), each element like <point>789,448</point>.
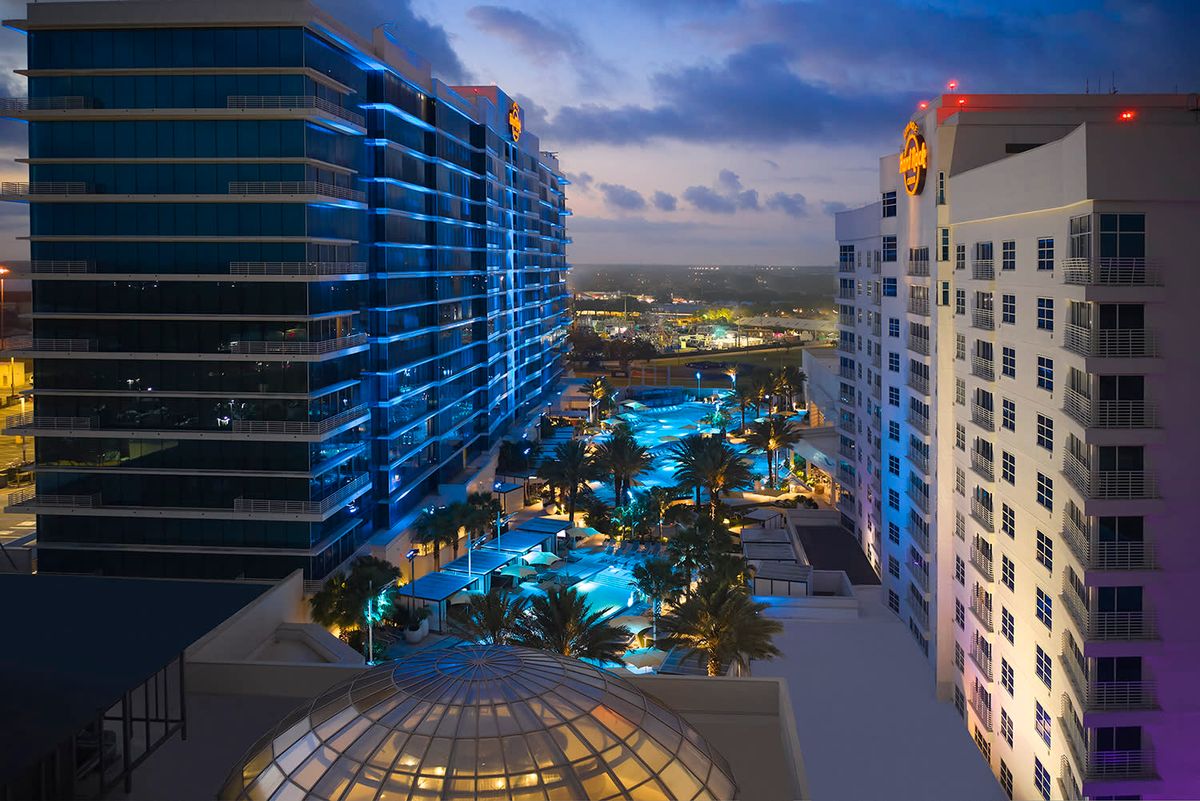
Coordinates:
<point>924,104</point>
<point>1126,116</point>
<point>953,85</point>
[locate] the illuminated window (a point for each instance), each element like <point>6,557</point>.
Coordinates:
<point>1041,778</point>
<point>1044,609</point>
<point>1041,722</point>
<point>889,205</point>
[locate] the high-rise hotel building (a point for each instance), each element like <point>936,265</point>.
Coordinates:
<point>285,283</point>
<point>1019,431</point>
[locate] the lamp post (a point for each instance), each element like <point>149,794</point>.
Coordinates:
<point>370,621</point>
<point>697,385</point>
<point>412,577</point>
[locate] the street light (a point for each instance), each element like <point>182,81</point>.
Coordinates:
<point>697,385</point>
<point>412,577</point>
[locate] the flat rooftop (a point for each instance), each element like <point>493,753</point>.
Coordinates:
<point>834,548</point>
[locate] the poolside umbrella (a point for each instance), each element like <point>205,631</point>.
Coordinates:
<point>669,438</point>
<point>541,558</point>
<point>517,571</point>
<point>635,623</point>
<point>689,425</point>
<point>644,657</point>
<point>463,597</point>
<point>582,532</point>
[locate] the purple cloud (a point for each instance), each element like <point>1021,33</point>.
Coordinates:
<point>582,181</point>
<point>832,207</point>
<point>406,27</point>
<point>664,201</point>
<point>792,204</point>
<point>704,198</point>
<point>546,43</point>
<point>622,197</point>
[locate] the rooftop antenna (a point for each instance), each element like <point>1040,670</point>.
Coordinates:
<point>1087,86</point>
<point>1112,83</point>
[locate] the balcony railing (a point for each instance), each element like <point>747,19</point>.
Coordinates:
<point>1097,765</point>
<point>918,421</point>
<point>846,372</point>
<point>297,348</point>
<point>29,498</point>
<point>918,306</point>
<point>845,266</point>
<point>1106,696</point>
<point>29,420</point>
<point>24,188</point>
<point>919,344</point>
<point>50,266</point>
<point>848,426</point>
<point>920,500</point>
<point>45,345</point>
<point>845,293</point>
<point>846,346</point>
<point>336,498</point>
<point>982,611</point>
<point>876,329</point>
<point>920,537</point>
<point>919,458</point>
<point>1140,625</point>
<point>1109,413</point>
<point>919,383</point>
<point>982,465</point>
<point>1094,554</point>
<point>983,319</point>
<point>293,103</point>
<point>1111,272</point>
<point>984,418</point>
<point>982,710</point>
<point>982,514</point>
<point>296,188</point>
<point>1106,484</point>
<point>918,267</point>
<point>983,368</point>
<point>60,103</point>
<point>297,267</point>
<point>982,659</point>
<point>983,270</point>
<point>298,426</point>
<point>1117,343</point>
<point>1068,786</point>
<point>983,563</point>
<point>917,609</point>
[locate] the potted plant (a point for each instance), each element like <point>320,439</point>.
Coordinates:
<point>418,625</point>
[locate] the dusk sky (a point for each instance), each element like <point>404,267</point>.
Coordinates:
<point>727,131</point>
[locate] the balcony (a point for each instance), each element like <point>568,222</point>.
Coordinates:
<point>298,188</point>
<point>24,189</point>
<point>918,421</point>
<point>846,475</point>
<point>51,267</point>
<point>876,329</point>
<point>920,500</point>
<point>918,268</point>
<point>920,536</point>
<point>847,450</point>
<point>1111,343</point>
<point>982,367</point>
<point>1096,765</point>
<point>982,465</point>
<point>1094,554</point>
<point>983,612</point>
<point>297,347</point>
<point>845,293</point>
<point>1068,787</point>
<point>919,383</point>
<point>297,268</point>
<point>918,306</point>
<point>848,426</point>
<point>28,499</point>
<point>29,424</point>
<point>982,710</point>
<point>846,346</point>
<point>1108,626</point>
<point>982,514</point>
<point>35,345</point>
<point>845,266</point>
<point>984,418</point>
<point>982,659</point>
<point>876,392</point>
<point>1109,413</point>
<point>300,426</point>
<point>318,507</point>
<point>983,319</point>
<point>983,270</point>
<point>1111,272</point>
<point>1109,484</point>
<point>17,423</point>
<point>846,372</point>
<point>982,563</point>
<point>876,360</point>
<point>1106,696</point>
<point>916,608</point>
<point>919,344</point>
<point>294,103</point>
<point>919,458</point>
<point>17,105</point>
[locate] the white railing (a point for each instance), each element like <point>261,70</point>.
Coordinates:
<point>982,514</point>
<point>1096,554</point>
<point>918,421</point>
<point>1109,483</point>
<point>64,102</point>
<point>336,498</point>
<point>919,382</point>
<point>918,267</point>
<point>982,563</point>
<point>982,465</point>
<point>1111,272</point>
<point>297,267</point>
<point>30,497</point>
<point>298,426</point>
<point>293,103</point>
<point>984,418</point>
<point>49,345</point>
<point>296,188</point>
<point>982,611</point>
<point>983,270</point>
<point>1109,413</point>
<point>918,458</point>
<point>1098,695</point>
<point>919,344</point>
<point>982,710</point>
<point>920,500</point>
<point>982,660</point>
<point>50,266</point>
<point>30,420</point>
<point>982,368</point>
<point>983,319</point>
<point>918,306</point>
<point>297,348</point>
<point>1121,343</point>
<point>20,188</point>
<point>1139,625</point>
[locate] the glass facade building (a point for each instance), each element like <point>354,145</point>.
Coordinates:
<point>285,283</point>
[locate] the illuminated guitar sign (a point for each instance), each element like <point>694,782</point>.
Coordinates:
<point>515,121</point>
<point>914,160</point>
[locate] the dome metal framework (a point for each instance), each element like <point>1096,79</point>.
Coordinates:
<point>482,722</point>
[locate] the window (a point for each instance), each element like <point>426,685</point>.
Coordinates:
<point>959,660</point>
<point>893,601</point>
<point>960,347</point>
<point>960,436</point>
<point>894,396</point>
<point>1045,432</point>
<point>889,287</point>
<point>960,481</point>
<point>894,533</point>
<point>1006,676</point>
<point>894,499</point>
<point>960,301</point>
<point>1006,777</point>
<point>1008,414</point>
<point>894,362</point>
<point>1041,778</point>
<point>943,244</point>
<point>889,248</point>
<point>960,571</point>
<point>1041,722</point>
<point>984,746</point>
<point>960,257</point>
<point>1122,236</point>
<point>1045,257</point>
<point>889,204</point>
<point>1008,362</point>
<point>1045,374</point>
<point>894,430</point>
<point>1045,314</point>
<point>1044,609</point>
<point>1008,467</point>
<point>1045,491</point>
<point>1008,309</point>
<point>1008,520</point>
<point>960,615</point>
<point>893,326</point>
<point>1008,255</point>
<point>894,567</point>
<point>941,188</point>
<point>1045,551</point>
<point>894,465</point>
<point>1008,573</point>
<point>960,391</point>
<point>1008,625</point>
<point>960,701</point>
<point>1006,728</point>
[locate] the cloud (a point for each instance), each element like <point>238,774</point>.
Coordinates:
<point>832,207</point>
<point>582,181</point>
<point>792,204</point>
<point>622,197</point>
<point>664,201</point>
<point>546,43</point>
<point>774,165</point>
<point>705,199</point>
<point>428,40</point>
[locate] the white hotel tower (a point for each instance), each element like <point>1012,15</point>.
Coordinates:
<point>1018,408</point>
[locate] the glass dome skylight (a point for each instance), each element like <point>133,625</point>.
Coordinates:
<point>482,722</point>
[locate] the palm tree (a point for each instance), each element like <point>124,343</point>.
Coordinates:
<point>710,463</point>
<point>747,396</point>
<point>601,393</point>
<point>437,528</point>
<point>659,581</point>
<point>694,548</point>
<point>662,506</point>
<point>570,469</point>
<point>342,601</point>
<point>494,618</point>
<point>759,384</point>
<point>771,436</point>
<point>483,509</point>
<point>624,458</point>
<point>790,382</point>
<point>596,513</point>
<point>722,623</point>
<point>561,622</point>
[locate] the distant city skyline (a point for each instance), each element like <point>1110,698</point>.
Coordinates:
<point>730,131</point>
